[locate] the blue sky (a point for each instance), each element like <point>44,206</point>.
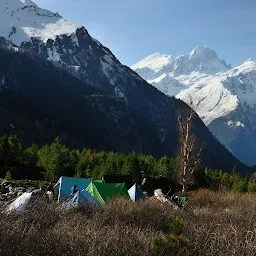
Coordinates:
<point>134,29</point>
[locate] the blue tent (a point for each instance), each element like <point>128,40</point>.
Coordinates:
<point>80,198</point>
<point>135,193</point>
<point>64,185</point>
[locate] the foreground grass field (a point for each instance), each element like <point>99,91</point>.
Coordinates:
<point>217,224</point>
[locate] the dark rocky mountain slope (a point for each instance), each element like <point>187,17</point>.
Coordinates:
<point>41,101</point>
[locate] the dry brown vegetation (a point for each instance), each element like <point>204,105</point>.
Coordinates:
<point>216,224</point>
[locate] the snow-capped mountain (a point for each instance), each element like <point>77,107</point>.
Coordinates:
<point>226,102</point>
<point>63,42</point>
<point>224,98</point>
<point>36,32</point>
<point>157,68</point>
<point>20,20</point>
<point>219,95</point>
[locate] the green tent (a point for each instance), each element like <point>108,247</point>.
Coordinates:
<point>104,192</point>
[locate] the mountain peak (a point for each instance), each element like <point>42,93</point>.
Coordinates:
<point>201,60</point>
<point>15,4</point>
<point>248,60</point>
<point>200,47</point>
<point>22,20</point>
<point>202,51</point>
<point>28,2</point>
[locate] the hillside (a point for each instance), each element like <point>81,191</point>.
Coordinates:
<point>42,102</point>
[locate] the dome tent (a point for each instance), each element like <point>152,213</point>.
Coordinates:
<point>80,199</point>
<point>64,185</point>
<point>135,193</point>
<point>104,192</point>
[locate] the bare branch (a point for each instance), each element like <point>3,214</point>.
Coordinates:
<point>189,156</point>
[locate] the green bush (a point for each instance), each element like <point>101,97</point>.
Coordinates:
<point>168,245</point>
<point>8,176</point>
<point>176,226</point>
<point>240,186</point>
<point>172,243</point>
<point>251,187</point>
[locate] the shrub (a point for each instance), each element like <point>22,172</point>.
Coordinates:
<point>251,188</point>
<point>240,186</point>
<point>8,176</point>
<point>176,226</point>
<point>169,245</point>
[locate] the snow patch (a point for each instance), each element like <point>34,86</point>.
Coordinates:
<point>28,2</point>
<point>235,124</point>
<point>167,85</point>
<point>154,62</point>
<point>2,82</point>
<point>75,40</point>
<point>53,55</point>
<point>118,92</point>
<point>105,68</point>
<point>109,59</point>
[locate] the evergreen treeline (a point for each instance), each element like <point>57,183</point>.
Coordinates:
<point>54,160</point>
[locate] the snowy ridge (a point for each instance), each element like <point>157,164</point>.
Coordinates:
<point>219,95</point>
<point>168,85</point>
<point>154,62</point>
<point>65,43</point>
<point>20,20</point>
<point>186,69</point>
<point>210,98</point>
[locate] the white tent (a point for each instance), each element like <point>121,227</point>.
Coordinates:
<point>20,203</point>
<point>79,199</point>
<point>135,193</point>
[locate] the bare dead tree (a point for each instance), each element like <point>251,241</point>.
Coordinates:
<point>189,150</point>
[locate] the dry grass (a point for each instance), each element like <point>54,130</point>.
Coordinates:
<point>217,224</point>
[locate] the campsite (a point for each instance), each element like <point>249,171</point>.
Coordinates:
<point>127,128</point>
<point>106,203</point>
<point>109,219</point>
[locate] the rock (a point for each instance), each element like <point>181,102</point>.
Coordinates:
<point>20,189</point>
<point>3,189</point>
<point>30,189</point>
<point>19,193</point>
<point>11,188</point>
<point>38,192</point>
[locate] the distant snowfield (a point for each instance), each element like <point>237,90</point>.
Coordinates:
<point>219,95</point>
<point>154,62</point>
<point>22,19</point>
<point>210,98</point>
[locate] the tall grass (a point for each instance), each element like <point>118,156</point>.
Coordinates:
<point>216,224</point>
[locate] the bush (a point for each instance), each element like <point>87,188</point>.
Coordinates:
<point>169,245</point>
<point>8,176</point>
<point>240,186</point>
<point>251,187</point>
<point>176,226</point>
